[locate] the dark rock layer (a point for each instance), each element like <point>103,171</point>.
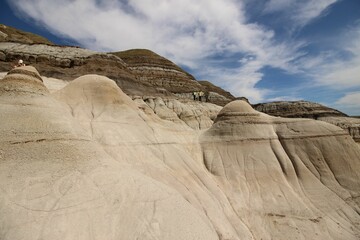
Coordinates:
<point>297,109</point>
<point>158,71</point>
<point>305,109</point>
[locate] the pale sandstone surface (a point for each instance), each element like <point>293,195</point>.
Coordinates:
<point>197,115</point>
<point>2,74</point>
<point>294,176</point>
<point>58,182</point>
<point>88,162</point>
<point>54,84</point>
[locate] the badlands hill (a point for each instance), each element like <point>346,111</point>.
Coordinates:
<point>139,72</point>
<point>82,160</point>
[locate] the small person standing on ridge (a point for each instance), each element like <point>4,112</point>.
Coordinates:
<point>19,64</point>
<point>195,94</point>
<point>201,94</point>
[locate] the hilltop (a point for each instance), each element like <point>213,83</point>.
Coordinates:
<point>10,34</point>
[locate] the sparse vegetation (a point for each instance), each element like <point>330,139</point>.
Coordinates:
<point>15,35</point>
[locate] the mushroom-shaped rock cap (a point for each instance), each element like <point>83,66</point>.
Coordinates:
<point>28,71</point>
<point>238,107</point>
<point>22,80</point>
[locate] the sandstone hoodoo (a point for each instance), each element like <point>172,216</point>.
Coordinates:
<point>23,80</point>
<point>279,171</point>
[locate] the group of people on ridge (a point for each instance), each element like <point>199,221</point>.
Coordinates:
<point>198,95</point>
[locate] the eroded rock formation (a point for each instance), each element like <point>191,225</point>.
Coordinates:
<point>291,175</point>
<point>88,162</point>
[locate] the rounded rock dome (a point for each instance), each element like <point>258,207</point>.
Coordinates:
<point>238,107</point>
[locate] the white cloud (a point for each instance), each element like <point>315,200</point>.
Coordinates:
<point>278,5</point>
<point>242,80</point>
<point>283,98</point>
<point>351,103</point>
<point>311,9</point>
<point>335,72</point>
<point>300,12</point>
<point>352,98</point>
<point>343,75</point>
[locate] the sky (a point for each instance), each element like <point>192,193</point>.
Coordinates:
<point>265,50</point>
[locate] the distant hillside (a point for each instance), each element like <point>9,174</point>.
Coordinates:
<point>10,34</point>
<point>297,109</point>
<point>145,57</point>
<point>305,109</point>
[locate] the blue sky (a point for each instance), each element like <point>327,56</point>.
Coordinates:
<point>265,50</point>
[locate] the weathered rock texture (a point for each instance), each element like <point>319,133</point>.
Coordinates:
<point>159,71</point>
<point>350,124</point>
<point>304,109</point>
<point>196,115</point>
<point>67,62</point>
<point>87,162</point>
